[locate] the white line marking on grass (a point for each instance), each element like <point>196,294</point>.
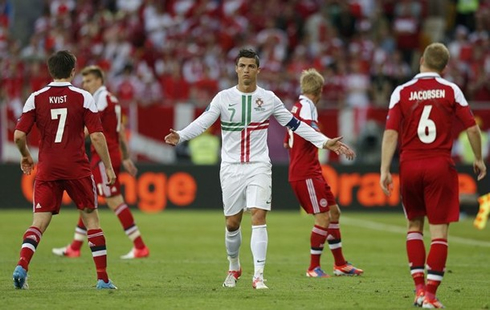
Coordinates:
<point>403,230</point>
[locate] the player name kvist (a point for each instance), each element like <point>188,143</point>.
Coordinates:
<point>57,99</point>
<point>427,94</point>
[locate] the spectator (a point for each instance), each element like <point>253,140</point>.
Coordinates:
<point>175,88</point>
<point>478,77</point>
<point>465,13</point>
<point>381,85</point>
<point>127,86</point>
<point>406,27</point>
<point>357,87</point>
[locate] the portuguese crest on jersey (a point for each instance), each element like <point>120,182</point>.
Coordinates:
<point>258,105</point>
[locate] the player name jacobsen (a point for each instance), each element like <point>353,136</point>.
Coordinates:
<point>427,94</point>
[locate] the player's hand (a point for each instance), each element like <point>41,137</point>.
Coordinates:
<point>111,176</point>
<point>339,148</point>
<point>386,182</point>
<point>130,167</point>
<point>26,164</point>
<point>286,145</point>
<point>480,169</point>
<point>172,138</point>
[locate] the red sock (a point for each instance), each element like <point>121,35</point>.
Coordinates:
<point>127,221</point>
<point>96,241</point>
<point>335,243</point>
<point>80,234</point>
<point>317,240</point>
<point>416,258</point>
<point>436,265</point>
<point>31,238</point>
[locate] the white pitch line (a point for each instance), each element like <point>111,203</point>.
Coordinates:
<point>403,230</point>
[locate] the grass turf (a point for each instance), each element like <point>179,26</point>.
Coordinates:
<point>188,264</point>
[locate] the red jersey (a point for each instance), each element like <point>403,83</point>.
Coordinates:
<point>422,111</point>
<point>110,116</point>
<point>303,155</point>
<point>61,111</point>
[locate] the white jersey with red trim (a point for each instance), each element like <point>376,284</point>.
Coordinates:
<point>244,122</point>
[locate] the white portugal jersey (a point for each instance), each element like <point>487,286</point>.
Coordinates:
<point>244,123</point>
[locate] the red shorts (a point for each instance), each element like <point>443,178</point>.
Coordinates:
<point>48,194</point>
<point>429,187</point>
<point>314,195</point>
<point>98,170</point>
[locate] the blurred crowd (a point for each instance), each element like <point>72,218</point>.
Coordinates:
<point>161,52</point>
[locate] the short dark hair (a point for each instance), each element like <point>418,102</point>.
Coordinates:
<point>95,70</point>
<point>248,53</point>
<point>61,63</point>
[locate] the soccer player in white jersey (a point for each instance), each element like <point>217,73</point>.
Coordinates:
<point>245,175</point>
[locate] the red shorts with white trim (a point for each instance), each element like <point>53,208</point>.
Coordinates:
<point>314,195</point>
<point>48,194</point>
<point>429,187</point>
<point>104,190</point>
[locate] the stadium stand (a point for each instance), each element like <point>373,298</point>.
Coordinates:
<point>166,52</point>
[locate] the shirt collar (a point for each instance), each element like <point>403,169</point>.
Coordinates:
<point>426,75</point>
<point>60,84</point>
<point>100,89</point>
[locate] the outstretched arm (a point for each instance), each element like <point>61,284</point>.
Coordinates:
<point>339,148</point>
<point>172,138</point>
<point>197,127</point>
<point>320,140</point>
<point>286,118</point>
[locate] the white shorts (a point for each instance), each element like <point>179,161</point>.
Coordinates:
<point>246,186</point>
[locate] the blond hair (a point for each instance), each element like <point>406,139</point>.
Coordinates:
<point>436,56</point>
<point>95,70</point>
<point>311,82</point>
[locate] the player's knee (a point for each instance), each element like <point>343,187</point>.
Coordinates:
<point>259,218</point>
<point>88,210</point>
<point>334,213</point>
<point>322,219</point>
<point>232,226</point>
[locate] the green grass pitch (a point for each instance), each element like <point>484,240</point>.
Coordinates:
<point>188,264</point>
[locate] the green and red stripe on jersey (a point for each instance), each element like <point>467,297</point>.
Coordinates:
<point>246,126</point>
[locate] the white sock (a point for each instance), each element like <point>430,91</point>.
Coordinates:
<point>258,244</point>
<point>233,241</point>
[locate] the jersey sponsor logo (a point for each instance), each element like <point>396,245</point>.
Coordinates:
<point>294,109</point>
<point>38,206</point>
<point>232,104</point>
<point>427,94</point>
<point>323,202</point>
